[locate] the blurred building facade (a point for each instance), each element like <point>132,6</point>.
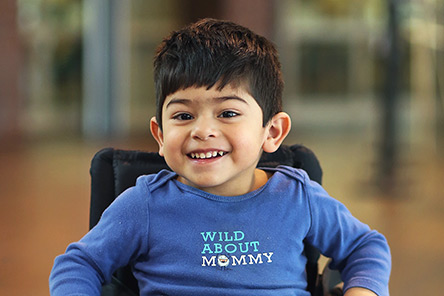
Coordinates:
<point>84,68</point>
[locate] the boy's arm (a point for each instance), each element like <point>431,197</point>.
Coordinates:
<point>362,255</point>
<point>118,238</point>
<point>74,273</point>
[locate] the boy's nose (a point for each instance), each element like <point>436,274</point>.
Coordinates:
<point>203,130</point>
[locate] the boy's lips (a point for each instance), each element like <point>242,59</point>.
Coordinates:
<point>206,154</point>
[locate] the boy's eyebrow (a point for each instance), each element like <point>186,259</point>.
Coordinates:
<point>221,99</point>
<point>178,101</point>
<point>226,98</point>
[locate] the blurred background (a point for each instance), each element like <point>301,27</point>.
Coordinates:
<point>364,88</point>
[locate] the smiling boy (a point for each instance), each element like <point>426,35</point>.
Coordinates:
<point>216,224</point>
<point>213,139</point>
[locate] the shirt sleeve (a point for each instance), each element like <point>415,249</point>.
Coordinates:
<point>361,255</point>
<point>119,238</point>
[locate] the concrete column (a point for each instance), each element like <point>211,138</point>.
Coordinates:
<point>106,68</point>
<point>10,62</point>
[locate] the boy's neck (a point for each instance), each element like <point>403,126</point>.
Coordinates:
<point>260,179</point>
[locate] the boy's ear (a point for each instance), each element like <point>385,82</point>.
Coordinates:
<point>278,128</point>
<point>157,133</point>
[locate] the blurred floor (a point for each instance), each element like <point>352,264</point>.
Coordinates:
<point>44,204</point>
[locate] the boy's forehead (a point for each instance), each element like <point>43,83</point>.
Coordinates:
<point>229,92</point>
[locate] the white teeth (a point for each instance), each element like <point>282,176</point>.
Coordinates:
<point>206,155</point>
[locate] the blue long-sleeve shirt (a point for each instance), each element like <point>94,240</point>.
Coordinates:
<point>184,241</point>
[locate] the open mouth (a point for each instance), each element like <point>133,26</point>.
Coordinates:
<point>206,155</point>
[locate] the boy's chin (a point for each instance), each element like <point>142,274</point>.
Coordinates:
<point>204,185</point>
<point>208,185</point>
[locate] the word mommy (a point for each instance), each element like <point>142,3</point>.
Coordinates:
<point>223,260</point>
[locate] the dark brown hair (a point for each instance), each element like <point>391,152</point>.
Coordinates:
<point>211,52</point>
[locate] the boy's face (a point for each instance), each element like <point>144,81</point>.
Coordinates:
<point>212,139</point>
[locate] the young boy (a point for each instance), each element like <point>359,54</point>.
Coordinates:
<point>216,224</point>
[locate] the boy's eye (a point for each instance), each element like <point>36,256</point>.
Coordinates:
<point>183,116</point>
<point>228,114</point>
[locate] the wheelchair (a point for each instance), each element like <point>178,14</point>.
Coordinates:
<point>113,171</point>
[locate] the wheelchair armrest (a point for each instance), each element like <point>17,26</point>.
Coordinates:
<point>330,282</point>
<point>117,288</point>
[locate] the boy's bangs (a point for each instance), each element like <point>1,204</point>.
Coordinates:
<point>200,72</point>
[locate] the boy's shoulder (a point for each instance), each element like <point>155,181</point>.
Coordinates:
<point>289,172</point>
<point>154,181</point>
